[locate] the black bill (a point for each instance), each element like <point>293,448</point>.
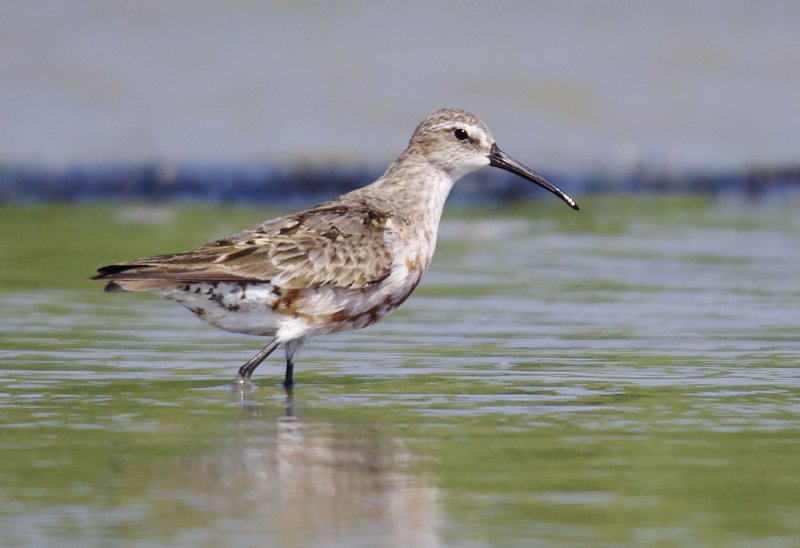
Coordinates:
<point>498,158</point>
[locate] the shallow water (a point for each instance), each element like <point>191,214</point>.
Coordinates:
<point>629,374</point>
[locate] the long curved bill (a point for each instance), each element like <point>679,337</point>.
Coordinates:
<point>498,158</point>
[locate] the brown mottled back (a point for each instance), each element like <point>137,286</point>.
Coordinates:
<point>319,246</point>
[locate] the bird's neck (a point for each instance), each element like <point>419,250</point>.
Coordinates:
<point>415,189</point>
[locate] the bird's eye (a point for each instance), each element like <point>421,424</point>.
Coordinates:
<point>461,134</point>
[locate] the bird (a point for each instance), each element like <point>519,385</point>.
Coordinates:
<point>338,266</point>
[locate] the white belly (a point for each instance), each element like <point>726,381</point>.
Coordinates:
<point>236,307</point>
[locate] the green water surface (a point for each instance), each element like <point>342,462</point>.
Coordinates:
<point>626,375</point>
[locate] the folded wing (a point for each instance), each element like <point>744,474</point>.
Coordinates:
<point>327,245</point>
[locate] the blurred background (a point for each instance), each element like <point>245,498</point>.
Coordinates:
<point>610,94</point>
<point>625,375</point>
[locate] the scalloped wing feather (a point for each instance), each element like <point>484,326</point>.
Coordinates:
<point>333,244</point>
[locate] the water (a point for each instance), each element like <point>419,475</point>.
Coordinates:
<point>623,375</point>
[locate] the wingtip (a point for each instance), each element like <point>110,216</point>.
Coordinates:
<point>105,271</point>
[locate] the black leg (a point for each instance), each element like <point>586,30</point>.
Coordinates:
<point>246,371</point>
<point>291,347</point>
<point>288,381</point>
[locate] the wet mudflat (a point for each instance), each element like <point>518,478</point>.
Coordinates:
<point>628,374</point>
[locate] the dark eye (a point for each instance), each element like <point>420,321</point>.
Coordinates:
<point>461,134</point>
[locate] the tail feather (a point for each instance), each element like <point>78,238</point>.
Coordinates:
<point>142,285</point>
<point>126,277</point>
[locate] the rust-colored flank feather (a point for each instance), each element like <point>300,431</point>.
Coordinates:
<point>341,265</point>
